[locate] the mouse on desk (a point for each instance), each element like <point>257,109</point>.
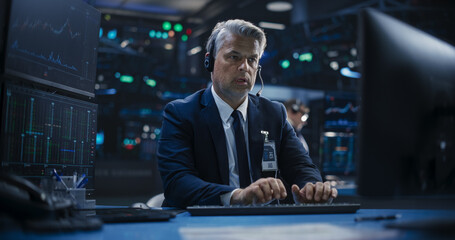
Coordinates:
<point>140,205</point>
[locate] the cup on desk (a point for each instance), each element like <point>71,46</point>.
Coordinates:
<point>66,188</point>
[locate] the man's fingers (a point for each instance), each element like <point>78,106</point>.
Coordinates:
<point>262,191</point>
<point>274,187</point>
<point>326,192</point>
<point>295,189</point>
<point>318,191</point>
<point>258,194</point>
<point>296,194</point>
<point>283,193</point>
<point>266,190</point>
<point>314,192</point>
<point>271,188</point>
<point>279,191</point>
<point>308,191</point>
<point>334,192</point>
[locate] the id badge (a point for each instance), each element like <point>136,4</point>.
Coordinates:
<point>269,162</point>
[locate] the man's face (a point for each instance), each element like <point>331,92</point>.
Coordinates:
<point>235,68</point>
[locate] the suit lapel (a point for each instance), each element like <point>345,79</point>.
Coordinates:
<point>210,116</point>
<point>256,140</point>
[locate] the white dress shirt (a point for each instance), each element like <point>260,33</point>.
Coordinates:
<point>225,114</point>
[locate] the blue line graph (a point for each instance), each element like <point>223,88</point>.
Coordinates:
<point>345,109</point>
<point>66,150</point>
<point>53,43</point>
<point>50,58</point>
<point>46,26</point>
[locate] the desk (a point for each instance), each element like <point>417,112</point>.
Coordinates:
<point>184,221</point>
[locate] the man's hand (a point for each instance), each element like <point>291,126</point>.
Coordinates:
<point>314,193</point>
<point>261,191</point>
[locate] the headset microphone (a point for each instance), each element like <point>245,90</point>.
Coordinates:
<point>262,82</point>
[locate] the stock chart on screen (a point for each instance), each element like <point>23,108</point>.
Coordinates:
<point>53,43</point>
<point>42,131</point>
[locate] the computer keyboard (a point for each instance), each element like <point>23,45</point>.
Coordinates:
<point>274,209</point>
<point>122,215</point>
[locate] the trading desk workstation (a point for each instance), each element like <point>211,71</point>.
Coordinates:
<point>405,171</point>
<point>364,224</point>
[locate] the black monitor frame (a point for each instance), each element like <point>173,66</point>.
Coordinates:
<point>407,117</point>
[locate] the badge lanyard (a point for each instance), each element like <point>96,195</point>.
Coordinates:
<point>269,159</point>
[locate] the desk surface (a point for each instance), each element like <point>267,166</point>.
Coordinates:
<point>320,226</point>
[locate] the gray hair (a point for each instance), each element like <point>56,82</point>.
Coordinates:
<point>235,26</point>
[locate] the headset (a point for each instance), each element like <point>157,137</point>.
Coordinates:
<point>209,62</point>
<point>295,107</point>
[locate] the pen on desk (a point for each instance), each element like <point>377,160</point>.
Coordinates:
<point>74,179</point>
<point>82,183</point>
<point>377,218</point>
<point>59,178</point>
<point>80,180</point>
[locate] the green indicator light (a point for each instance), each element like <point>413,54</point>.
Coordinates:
<point>126,79</point>
<point>306,57</point>
<point>184,37</point>
<point>167,26</point>
<point>150,82</point>
<point>178,27</point>
<point>285,64</point>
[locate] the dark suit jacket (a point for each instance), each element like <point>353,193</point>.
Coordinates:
<point>192,155</point>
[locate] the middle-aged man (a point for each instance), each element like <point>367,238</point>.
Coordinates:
<point>212,142</point>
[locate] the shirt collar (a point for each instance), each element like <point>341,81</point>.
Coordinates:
<point>226,110</point>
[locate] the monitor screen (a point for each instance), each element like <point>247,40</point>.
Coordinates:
<point>338,153</point>
<point>43,131</point>
<point>407,116</point>
<point>340,111</point>
<point>54,43</point>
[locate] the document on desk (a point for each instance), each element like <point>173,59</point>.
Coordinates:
<point>320,231</point>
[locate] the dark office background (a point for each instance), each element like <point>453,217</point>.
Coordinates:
<point>151,52</point>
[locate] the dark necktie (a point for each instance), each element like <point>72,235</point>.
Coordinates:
<point>242,158</point>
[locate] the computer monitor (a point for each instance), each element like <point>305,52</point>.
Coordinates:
<point>407,116</point>
<point>41,131</point>
<point>53,43</point>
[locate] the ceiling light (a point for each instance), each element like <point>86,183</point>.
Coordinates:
<point>276,26</point>
<point>348,73</point>
<point>124,43</point>
<point>194,50</point>
<point>332,54</point>
<point>334,65</point>
<point>279,6</point>
<point>168,46</point>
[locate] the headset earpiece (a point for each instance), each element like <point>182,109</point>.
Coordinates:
<point>209,61</point>
<point>296,106</point>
